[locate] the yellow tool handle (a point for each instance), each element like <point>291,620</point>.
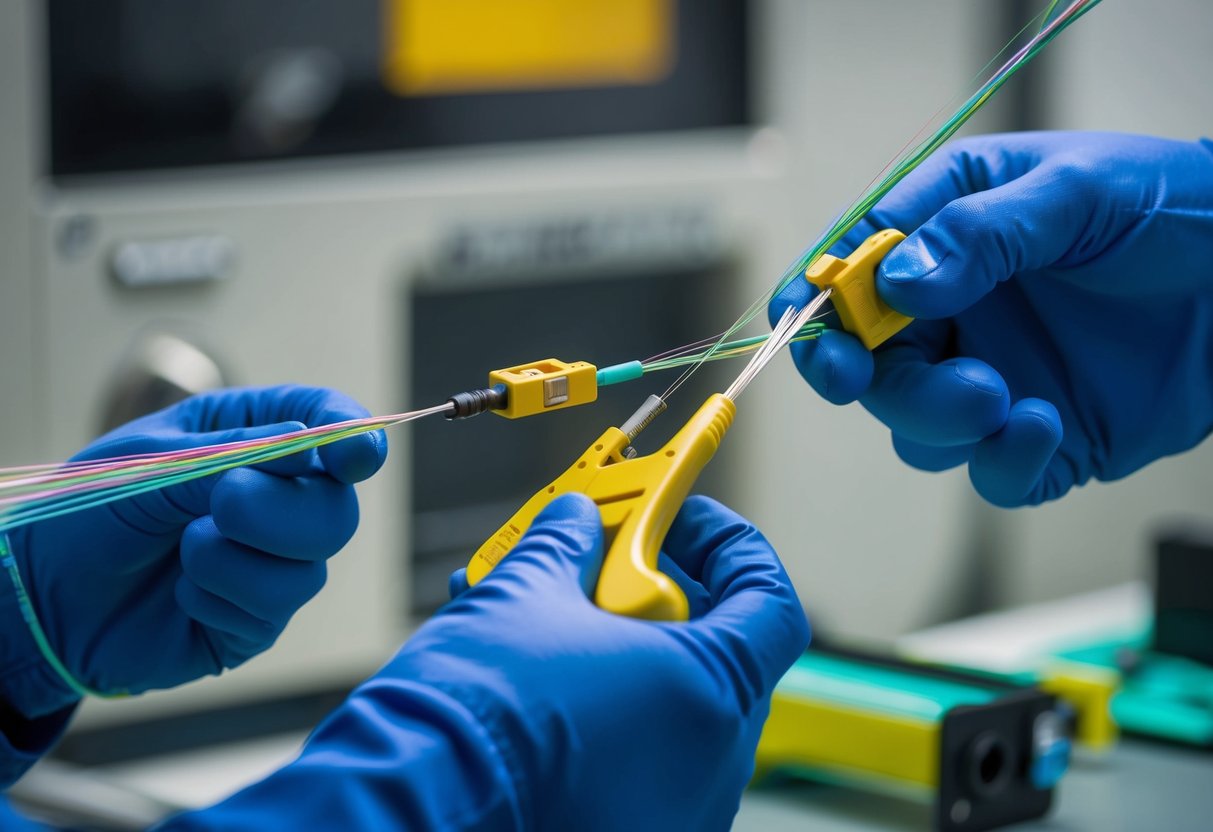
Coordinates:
<point>639,499</point>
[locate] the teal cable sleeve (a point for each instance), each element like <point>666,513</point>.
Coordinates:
<point>31,620</point>
<point>615,374</point>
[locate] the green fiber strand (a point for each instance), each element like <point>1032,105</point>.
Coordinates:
<point>35,628</point>
<point>919,154</point>
<point>34,512</point>
<point>1048,14</point>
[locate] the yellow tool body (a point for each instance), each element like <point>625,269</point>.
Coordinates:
<point>853,281</point>
<point>638,498</point>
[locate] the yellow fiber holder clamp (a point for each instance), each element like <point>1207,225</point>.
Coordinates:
<point>638,498</point>
<point>545,385</point>
<point>1088,689</point>
<point>853,280</point>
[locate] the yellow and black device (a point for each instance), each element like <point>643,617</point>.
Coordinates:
<point>985,753</point>
<point>638,497</point>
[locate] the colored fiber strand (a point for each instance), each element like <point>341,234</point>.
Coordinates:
<point>789,324</point>
<point>9,564</point>
<point>1054,20</point>
<point>693,353</point>
<point>42,492</point>
<point>919,153</point>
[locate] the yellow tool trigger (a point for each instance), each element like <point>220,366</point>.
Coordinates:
<point>638,498</point>
<point>853,280</point>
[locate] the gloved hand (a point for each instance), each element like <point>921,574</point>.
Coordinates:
<point>1063,285</point>
<point>168,586</point>
<point>521,705</point>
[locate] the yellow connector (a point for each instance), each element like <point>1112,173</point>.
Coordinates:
<point>638,498</point>
<point>853,280</point>
<point>545,385</point>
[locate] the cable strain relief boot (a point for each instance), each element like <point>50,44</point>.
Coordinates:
<point>474,402</point>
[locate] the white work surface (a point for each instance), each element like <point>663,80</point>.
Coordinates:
<point>1138,787</point>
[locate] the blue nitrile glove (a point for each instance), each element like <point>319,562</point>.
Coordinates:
<point>172,585</point>
<point>1063,285</point>
<point>13,821</point>
<point>521,705</point>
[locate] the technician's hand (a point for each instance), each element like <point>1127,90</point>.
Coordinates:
<point>521,705</point>
<point>168,586</point>
<point>1063,284</point>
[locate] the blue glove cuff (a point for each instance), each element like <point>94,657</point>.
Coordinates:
<point>24,741</point>
<point>34,682</point>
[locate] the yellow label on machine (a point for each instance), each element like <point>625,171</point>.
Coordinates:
<point>442,47</point>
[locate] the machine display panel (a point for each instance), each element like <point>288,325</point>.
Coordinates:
<point>138,84</point>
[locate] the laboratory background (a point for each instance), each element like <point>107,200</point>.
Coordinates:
<point>202,195</point>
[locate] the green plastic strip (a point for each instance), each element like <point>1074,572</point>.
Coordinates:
<point>884,689</point>
<point>1162,696</point>
<point>1142,711</point>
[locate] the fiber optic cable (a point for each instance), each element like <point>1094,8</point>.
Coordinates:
<point>39,492</point>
